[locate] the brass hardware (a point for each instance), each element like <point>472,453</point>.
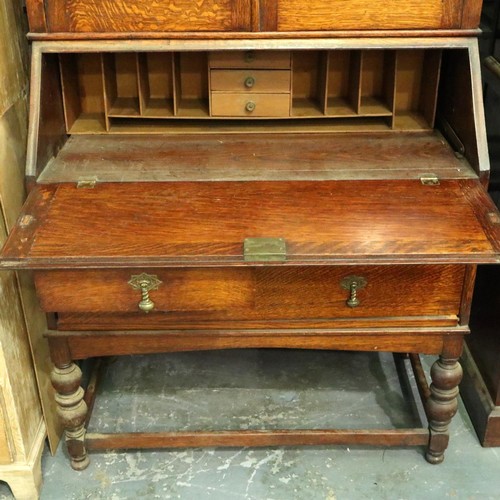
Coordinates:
<point>429,179</point>
<point>249,82</point>
<point>250,106</point>
<point>249,56</point>
<point>26,220</point>
<point>145,283</point>
<point>353,284</point>
<point>494,217</point>
<point>86,183</point>
<point>264,250</point>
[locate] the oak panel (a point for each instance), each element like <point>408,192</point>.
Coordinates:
<point>121,343</point>
<point>36,15</point>
<point>397,437</point>
<point>471,13</point>
<point>148,15</point>
<point>360,14</point>
<point>259,293</point>
<point>196,321</point>
<point>200,223</point>
<point>255,156</point>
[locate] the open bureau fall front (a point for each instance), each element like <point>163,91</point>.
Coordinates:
<point>248,176</point>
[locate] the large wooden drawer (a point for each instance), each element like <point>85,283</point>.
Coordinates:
<point>257,295</point>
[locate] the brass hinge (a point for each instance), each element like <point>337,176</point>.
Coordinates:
<point>264,250</point>
<point>88,183</point>
<point>429,179</point>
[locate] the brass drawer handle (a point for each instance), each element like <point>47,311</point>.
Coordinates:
<point>353,284</point>
<point>249,82</point>
<point>145,283</point>
<point>250,106</point>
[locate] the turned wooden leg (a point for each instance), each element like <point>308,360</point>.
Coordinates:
<point>446,374</point>
<point>66,378</point>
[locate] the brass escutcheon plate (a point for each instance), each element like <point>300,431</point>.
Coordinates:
<point>264,250</point>
<point>348,281</point>
<point>144,281</point>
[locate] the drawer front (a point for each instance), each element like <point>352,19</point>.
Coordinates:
<point>148,15</point>
<point>249,104</point>
<point>262,295</point>
<point>250,80</point>
<point>267,59</point>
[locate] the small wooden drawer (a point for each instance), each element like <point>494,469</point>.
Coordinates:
<point>272,59</point>
<point>250,104</point>
<point>254,297</point>
<point>250,80</point>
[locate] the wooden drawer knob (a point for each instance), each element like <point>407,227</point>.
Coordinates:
<point>250,106</point>
<point>353,284</point>
<point>249,56</point>
<point>249,82</point>
<point>145,283</point>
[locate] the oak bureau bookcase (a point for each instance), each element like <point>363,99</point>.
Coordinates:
<point>274,174</point>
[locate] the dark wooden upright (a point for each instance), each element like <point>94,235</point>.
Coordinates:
<point>481,385</point>
<point>255,173</point>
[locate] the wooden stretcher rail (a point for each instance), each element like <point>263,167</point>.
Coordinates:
<point>368,437</point>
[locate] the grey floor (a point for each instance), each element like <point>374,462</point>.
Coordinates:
<point>267,389</point>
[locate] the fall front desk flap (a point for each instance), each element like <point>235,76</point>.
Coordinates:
<point>239,223</point>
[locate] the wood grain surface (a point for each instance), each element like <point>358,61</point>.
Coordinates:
<point>264,104</point>
<point>471,13</point>
<point>259,293</point>
<point>290,38</point>
<point>263,80</point>
<point>300,437</point>
<point>205,223</point>
<point>196,321</point>
<point>36,15</point>
<point>143,15</point>
<point>361,14</point>
<point>269,59</point>
<point>264,156</point>
<point>114,343</point>
<point>105,16</point>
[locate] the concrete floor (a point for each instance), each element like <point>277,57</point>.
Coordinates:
<point>266,389</point>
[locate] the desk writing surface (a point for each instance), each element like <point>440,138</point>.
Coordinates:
<point>200,223</point>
